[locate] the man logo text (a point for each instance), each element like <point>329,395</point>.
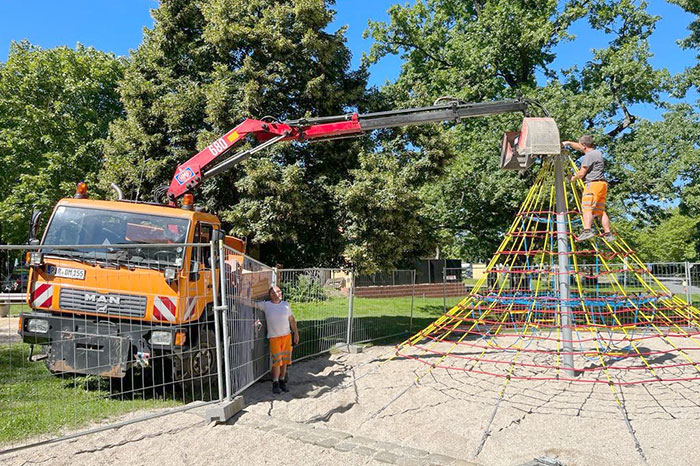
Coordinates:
<point>96,298</point>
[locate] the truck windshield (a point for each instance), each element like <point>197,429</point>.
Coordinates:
<point>76,226</point>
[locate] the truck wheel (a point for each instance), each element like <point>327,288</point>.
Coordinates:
<point>203,360</point>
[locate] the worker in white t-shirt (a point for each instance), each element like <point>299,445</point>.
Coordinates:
<point>280,325</point>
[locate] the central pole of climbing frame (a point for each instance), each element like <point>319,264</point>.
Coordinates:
<point>565,315</point>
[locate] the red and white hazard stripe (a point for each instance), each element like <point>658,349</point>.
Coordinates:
<point>191,306</point>
<point>42,295</point>
<point>164,308</point>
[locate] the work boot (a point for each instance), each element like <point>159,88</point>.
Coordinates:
<point>283,386</point>
<point>585,234</point>
<point>609,237</point>
<point>276,388</point>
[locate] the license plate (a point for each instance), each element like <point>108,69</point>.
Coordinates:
<point>66,272</point>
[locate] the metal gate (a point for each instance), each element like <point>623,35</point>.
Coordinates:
<point>244,283</point>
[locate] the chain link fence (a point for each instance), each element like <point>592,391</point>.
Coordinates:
<point>694,282</point>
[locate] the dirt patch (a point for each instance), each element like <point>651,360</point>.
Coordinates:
<point>8,330</point>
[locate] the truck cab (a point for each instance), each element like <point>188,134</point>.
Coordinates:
<point>119,285</point>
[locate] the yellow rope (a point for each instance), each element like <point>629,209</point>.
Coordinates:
<point>524,226</point>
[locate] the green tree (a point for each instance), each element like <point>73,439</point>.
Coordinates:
<point>690,202</point>
<point>382,220</point>
<point>496,49</point>
<point>55,106</point>
<point>674,239</point>
<point>469,51</point>
<point>691,76</point>
<point>204,67</point>
<point>658,166</point>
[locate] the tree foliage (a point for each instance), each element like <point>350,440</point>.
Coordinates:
<point>381,201</point>
<point>691,76</point>
<point>382,213</point>
<point>673,239</point>
<point>55,107</point>
<point>496,49</point>
<point>207,65</point>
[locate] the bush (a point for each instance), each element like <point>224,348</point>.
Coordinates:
<point>304,289</point>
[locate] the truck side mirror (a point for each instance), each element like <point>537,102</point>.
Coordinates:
<point>217,235</point>
<point>34,227</point>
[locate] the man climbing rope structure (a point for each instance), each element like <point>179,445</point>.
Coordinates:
<point>593,200</point>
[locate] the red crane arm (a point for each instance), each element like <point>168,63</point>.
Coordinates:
<point>190,174</point>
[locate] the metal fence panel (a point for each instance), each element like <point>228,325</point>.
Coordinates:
<point>694,282</point>
<point>319,298</point>
<point>456,282</point>
<point>385,308</point>
<point>103,331</point>
<point>245,283</point>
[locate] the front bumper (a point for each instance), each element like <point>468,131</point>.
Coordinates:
<point>90,347</point>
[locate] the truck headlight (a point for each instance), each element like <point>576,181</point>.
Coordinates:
<point>161,338</point>
<point>169,273</point>
<point>38,326</point>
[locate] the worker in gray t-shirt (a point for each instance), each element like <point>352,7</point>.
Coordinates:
<point>593,159</point>
<point>592,172</point>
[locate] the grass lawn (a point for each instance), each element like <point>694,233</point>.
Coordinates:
<point>322,324</point>
<point>371,307</point>
<point>17,309</point>
<point>33,402</point>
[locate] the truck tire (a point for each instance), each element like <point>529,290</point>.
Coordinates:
<point>203,358</point>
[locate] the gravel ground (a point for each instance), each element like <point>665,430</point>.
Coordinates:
<point>363,409</point>
<point>8,330</point>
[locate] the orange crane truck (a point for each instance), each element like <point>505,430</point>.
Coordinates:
<point>104,297</point>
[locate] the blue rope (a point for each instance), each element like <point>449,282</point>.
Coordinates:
<point>614,301</point>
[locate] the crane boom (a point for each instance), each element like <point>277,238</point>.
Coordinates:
<point>192,173</point>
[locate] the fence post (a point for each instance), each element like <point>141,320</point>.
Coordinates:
<point>413,294</point>
<point>348,339</point>
<point>690,283</point>
<point>688,297</point>
<point>217,320</point>
<point>224,306</point>
<point>444,286</point>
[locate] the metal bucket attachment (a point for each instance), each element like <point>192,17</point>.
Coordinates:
<point>509,156</point>
<point>537,137</point>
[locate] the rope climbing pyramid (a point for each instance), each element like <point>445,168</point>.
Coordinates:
<point>551,308</point>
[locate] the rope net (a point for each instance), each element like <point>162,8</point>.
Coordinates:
<point>626,326</point>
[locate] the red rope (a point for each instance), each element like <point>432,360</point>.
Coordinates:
<point>550,378</point>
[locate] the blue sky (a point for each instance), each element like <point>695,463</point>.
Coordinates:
<point>117,26</point>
